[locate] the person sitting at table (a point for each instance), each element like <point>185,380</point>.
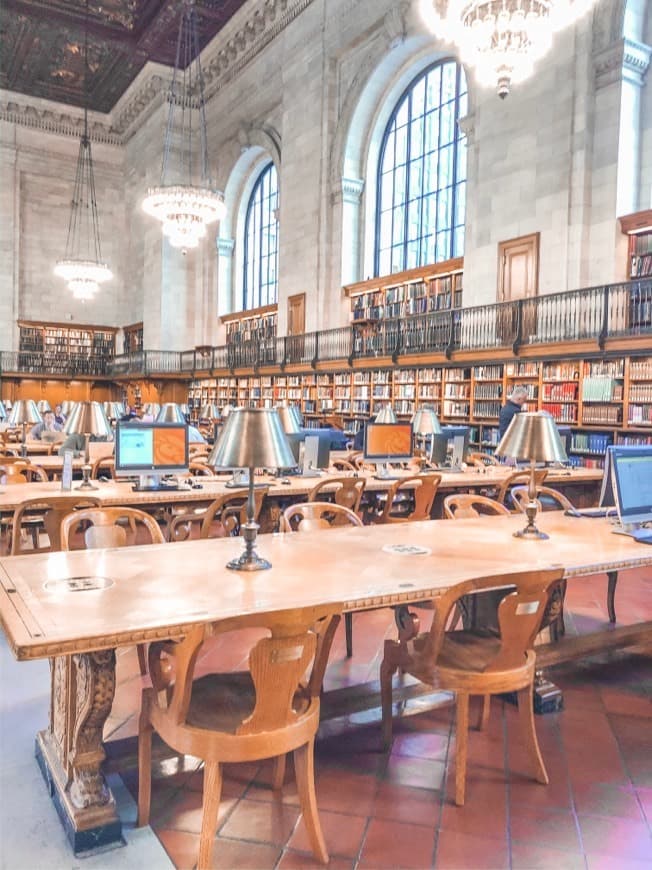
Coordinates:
<point>77,443</point>
<point>49,424</point>
<point>195,436</point>
<point>59,416</point>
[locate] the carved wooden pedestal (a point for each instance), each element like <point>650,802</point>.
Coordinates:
<point>70,751</point>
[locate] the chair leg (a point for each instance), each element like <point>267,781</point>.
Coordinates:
<point>278,776</point>
<point>484,713</point>
<point>526,715</point>
<point>386,673</point>
<point>210,809</point>
<point>305,774</point>
<point>348,630</point>
<point>612,580</point>
<point>144,772</point>
<point>461,740</point>
<point>142,658</point>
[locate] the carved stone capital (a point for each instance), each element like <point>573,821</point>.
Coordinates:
<point>636,61</point>
<point>349,190</point>
<point>395,23</point>
<point>225,247</point>
<point>467,126</point>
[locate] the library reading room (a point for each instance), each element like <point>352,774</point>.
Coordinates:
<point>326,434</point>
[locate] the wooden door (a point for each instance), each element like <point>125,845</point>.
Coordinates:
<point>297,314</point>
<point>518,278</point>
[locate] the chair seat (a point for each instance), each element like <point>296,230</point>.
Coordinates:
<point>221,702</point>
<point>460,651</point>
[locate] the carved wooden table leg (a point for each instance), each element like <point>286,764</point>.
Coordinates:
<point>70,751</point>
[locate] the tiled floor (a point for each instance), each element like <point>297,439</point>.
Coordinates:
<point>393,810</point>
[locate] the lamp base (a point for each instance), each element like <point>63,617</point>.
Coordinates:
<point>532,533</point>
<point>249,562</point>
<point>86,485</point>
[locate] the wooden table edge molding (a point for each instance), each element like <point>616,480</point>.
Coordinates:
<point>151,594</point>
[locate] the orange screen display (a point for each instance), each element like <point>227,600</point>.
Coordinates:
<point>384,440</point>
<point>169,446</point>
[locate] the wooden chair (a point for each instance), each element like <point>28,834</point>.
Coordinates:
<point>480,459</point>
<point>466,505</point>
<point>240,717</point>
<point>37,514</point>
<point>313,517</point>
<point>417,506</point>
<point>547,499</point>
<point>222,518</point>
<point>317,515</point>
<point>477,661</point>
<point>342,465</point>
<point>103,467</point>
<point>106,527</point>
<point>21,471</point>
<point>518,477</point>
<point>348,491</point>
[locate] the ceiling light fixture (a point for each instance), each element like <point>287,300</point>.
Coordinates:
<point>502,39</point>
<point>185,205</point>
<point>82,267</point>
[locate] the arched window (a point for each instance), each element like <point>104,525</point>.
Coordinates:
<point>260,283</point>
<point>422,173</point>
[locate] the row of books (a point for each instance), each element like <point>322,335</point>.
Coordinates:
<point>601,388</point>
<point>562,413</point>
<point>590,442</point>
<point>563,391</point>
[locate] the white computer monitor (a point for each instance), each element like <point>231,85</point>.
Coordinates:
<point>151,451</point>
<point>631,471</point>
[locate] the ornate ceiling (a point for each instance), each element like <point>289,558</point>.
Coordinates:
<point>41,44</point>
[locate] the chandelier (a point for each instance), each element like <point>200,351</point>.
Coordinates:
<point>502,39</point>
<point>183,203</point>
<point>82,267</point>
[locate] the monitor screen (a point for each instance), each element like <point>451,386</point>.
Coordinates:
<point>146,448</point>
<point>632,475</point>
<point>387,442</point>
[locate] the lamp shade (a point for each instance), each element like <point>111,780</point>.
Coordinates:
<point>296,412</point>
<point>252,438</point>
<point>43,405</point>
<point>24,411</point>
<point>209,412</point>
<point>288,420</point>
<point>226,410</point>
<point>3,412</point>
<point>113,410</point>
<point>386,415</point>
<point>66,407</point>
<point>532,435</point>
<point>184,408</point>
<point>88,418</point>
<point>170,413</point>
<point>425,422</point>
<point>151,409</point>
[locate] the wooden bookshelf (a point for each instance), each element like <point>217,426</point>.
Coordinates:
<point>638,228</point>
<point>602,401</point>
<point>415,291</point>
<point>253,325</point>
<point>65,349</point>
<point>133,338</point>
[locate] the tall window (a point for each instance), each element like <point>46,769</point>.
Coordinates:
<point>422,174</point>
<point>260,284</point>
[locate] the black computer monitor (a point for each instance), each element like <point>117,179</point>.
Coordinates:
<point>388,442</point>
<point>458,439</point>
<point>439,448</point>
<point>151,450</point>
<point>632,481</point>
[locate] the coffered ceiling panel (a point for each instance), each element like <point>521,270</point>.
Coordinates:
<point>41,44</point>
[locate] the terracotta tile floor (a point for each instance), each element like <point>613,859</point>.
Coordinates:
<point>396,811</point>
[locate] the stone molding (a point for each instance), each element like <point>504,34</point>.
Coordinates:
<point>624,59</point>
<point>225,247</point>
<point>349,190</point>
<point>221,62</point>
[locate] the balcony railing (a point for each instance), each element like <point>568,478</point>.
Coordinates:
<point>590,314</point>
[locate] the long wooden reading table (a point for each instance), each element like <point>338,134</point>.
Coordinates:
<point>77,607</point>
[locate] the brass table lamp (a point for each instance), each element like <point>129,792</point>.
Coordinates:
<point>171,413</point>
<point>151,409</point>
<point>251,438</point>
<point>386,415</point>
<point>87,418</point>
<point>3,412</point>
<point>534,436</point>
<point>43,405</point>
<point>425,423</point>
<point>24,412</point>
<point>113,410</point>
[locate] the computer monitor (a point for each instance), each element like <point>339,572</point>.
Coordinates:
<point>458,438</point>
<point>151,450</point>
<point>439,448</point>
<point>387,442</point>
<point>632,476</point>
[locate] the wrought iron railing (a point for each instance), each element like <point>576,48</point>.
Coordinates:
<point>593,313</point>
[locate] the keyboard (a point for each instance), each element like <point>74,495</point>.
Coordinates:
<point>590,512</point>
<point>643,536</point>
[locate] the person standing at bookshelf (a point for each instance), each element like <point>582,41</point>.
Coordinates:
<point>513,406</point>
